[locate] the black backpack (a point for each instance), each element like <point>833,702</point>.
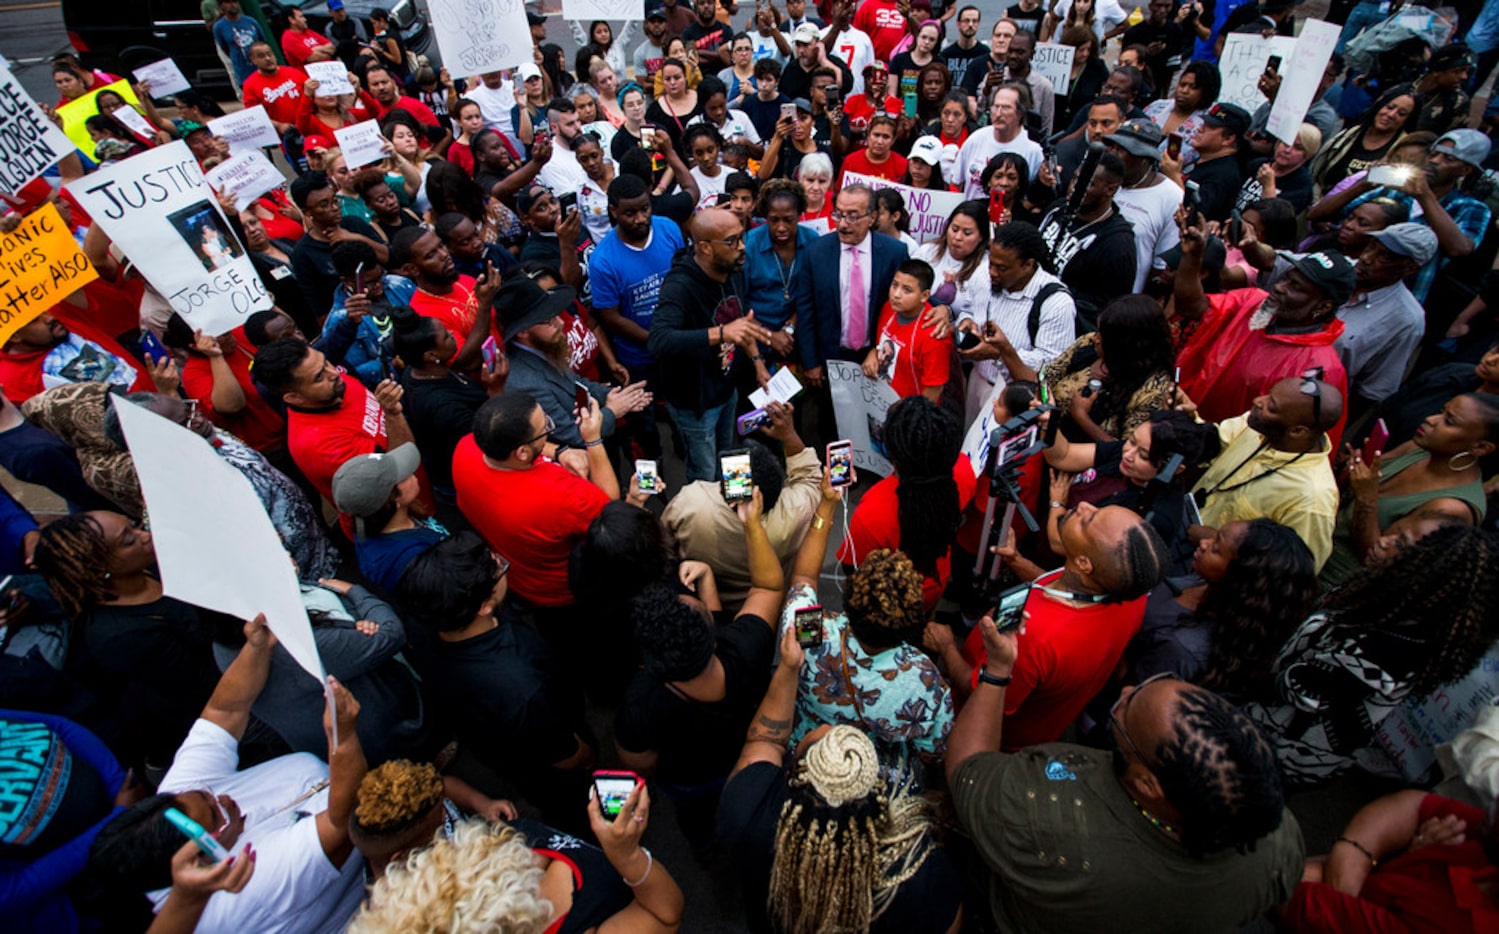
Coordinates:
<point>1033,320</point>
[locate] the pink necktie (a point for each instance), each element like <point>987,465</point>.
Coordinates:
<point>858,304</point>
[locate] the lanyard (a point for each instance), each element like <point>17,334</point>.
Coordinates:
<point>1202,495</point>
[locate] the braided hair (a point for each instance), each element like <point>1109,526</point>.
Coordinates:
<point>883,601</point>
<point>923,441</point>
<point>73,556</point>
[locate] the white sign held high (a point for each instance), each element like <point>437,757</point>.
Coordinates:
<point>476,36</point>
<point>361,143</point>
<point>1242,63</point>
<point>30,144</point>
<point>164,78</point>
<point>332,78</point>
<point>1301,75</point>
<point>589,10</point>
<point>929,209</point>
<point>1054,63</point>
<point>250,128</point>
<point>246,176</point>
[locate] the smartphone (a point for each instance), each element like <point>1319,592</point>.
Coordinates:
<point>1235,228</point>
<point>967,340</point>
<point>581,397</point>
<point>1392,176</point>
<point>750,422</point>
<point>735,477</point>
<point>648,134</point>
<point>359,279</point>
<point>841,464</point>
<point>1191,510</point>
<point>788,111</point>
<point>832,97</point>
<point>491,352</point>
<point>1174,146</point>
<point>194,831</point>
<point>1272,65</point>
<point>1009,610</point>
<point>996,205</point>
<point>614,789</point>
<point>1191,202</point>
<point>910,101</point>
<point>808,623</point>
<point>647,477</point>
<point>1378,438</point>
<point>567,201</point>
<point>152,347</point>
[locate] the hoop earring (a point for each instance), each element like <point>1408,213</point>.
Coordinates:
<point>1452,461</point>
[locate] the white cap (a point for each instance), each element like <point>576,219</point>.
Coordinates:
<point>806,32</point>
<point>527,71</point>
<point>928,149</point>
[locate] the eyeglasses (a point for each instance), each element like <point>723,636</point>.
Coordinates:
<point>736,240</point>
<point>1310,386</point>
<point>1117,722</point>
<point>852,217</point>
<point>550,427</point>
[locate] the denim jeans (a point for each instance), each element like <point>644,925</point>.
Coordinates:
<point>704,435</point>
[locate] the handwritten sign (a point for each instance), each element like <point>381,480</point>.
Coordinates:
<point>929,209</point>
<point>133,121</point>
<point>75,113</point>
<point>1410,735</point>
<point>483,35</point>
<point>250,128</point>
<point>332,78</point>
<point>158,208</point>
<point>30,143</point>
<point>164,78</point>
<point>246,176</point>
<point>859,406</point>
<point>589,10</point>
<point>361,143</point>
<point>1054,63</point>
<point>1242,63</point>
<point>40,265</point>
<point>1301,76</point>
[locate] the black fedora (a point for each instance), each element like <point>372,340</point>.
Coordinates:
<point>521,303</point>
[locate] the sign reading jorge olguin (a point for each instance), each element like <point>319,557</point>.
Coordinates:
<point>29,142</point>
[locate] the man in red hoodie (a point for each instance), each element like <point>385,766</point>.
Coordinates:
<point>1248,339</point>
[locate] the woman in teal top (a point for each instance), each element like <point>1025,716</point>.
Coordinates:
<point>1436,472</point>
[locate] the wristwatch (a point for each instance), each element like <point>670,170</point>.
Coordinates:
<point>986,678</point>
<point>790,330</point>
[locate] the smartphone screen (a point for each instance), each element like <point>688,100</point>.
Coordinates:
<point>808,623</point>
<point>788,111</point>
<point>614,789</point>
<point>1174,145</point>
<point>649,480</point>
<point>841,463</point>
<point>491,351</point>
<point>580,397</point>
<point>751,422</point>
<point>737,480</point>
<point>1376,441</point>
<point>1009,611</point>
<point>1272,65</point>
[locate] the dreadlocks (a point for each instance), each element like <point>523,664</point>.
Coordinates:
<point>73,557</point>
<point>924,441</point>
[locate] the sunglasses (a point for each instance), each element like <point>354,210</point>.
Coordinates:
<point>1117,722</point>
<point>1310,386</point>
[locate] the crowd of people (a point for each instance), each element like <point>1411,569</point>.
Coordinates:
<point>1166,528</point>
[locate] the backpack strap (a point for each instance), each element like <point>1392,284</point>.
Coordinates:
<point>1033,321</point>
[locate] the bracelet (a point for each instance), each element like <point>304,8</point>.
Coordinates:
<point>819,523</point>
<point>720,334</point>
<point>996,680</point>
<point>1057,505</point>
<point>650,863</point>
<point>593,444</point>
<point>1360,847</point>
<point>758,357</point>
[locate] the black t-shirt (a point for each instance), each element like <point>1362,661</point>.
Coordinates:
<point>748,813</point>
<point>707,40</point>
<point>1295,188</point>
<point>1030,21</point>
<point>675,124</point>
<point>312,261</point>
<point>973,78</point>
<point>440,412</point>
<point>797,81</point>
<point>959,60</point>
<point>822,133</point>
<point>699,742</point>
<point>1218,181</point>
<point>598,891</point>
<point>791,158</point>
<point>1161,66</point>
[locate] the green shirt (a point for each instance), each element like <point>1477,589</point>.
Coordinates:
<point>1069,852</point>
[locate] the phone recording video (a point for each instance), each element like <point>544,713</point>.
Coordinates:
<point>808,623</point>
<point>648,478</point>
<point>841,464</point>
<point>751,422</point>
<point>1272,64</point>
<point>1174,146</point>
<point>614,789</point>
<point>580,397</point>
<point>1009,610</point>
<point>567,201</point>
<point>996,206</point>
<point>735,476</point>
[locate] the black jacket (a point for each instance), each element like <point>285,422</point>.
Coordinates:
<point>1097,265</point>
<point>697,372</point>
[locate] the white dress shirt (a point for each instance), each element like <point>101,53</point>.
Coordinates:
<point>845,271</point>
<point>1011,311</point>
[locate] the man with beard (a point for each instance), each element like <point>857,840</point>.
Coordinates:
<point>384,88</point>
<point>702,335</point>
<point>1095,253</point>
<point>649,54</point>
<point>462,303</point>
<point>712,39</point>
<point>537,348</point>
<point>1248,339</point>
<point>967,50</point>
<point>562,173</point>
<point>1383,323</point>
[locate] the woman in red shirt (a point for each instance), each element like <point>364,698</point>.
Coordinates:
<point>321,115</point>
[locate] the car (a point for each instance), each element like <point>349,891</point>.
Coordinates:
<point>120,37</point>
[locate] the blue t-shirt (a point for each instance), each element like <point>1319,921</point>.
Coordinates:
<point>384,558</point>
<point>236,38</point>
<point>630,280</point>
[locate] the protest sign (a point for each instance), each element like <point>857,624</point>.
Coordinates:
<point>215,546</point>
<point>1301,74</point>
<point>1410,735</point>
<point>40,265</point>
<point>250,128</point>
<point>361,143</point>
<point>164,78</point>
<point>75,113</point>
<point>482,35</point>
<point>332,78</point>
<point>929,209</point>
<point>29,142</point>
<point>859,406</point>
<point>245,176</point>
<point>1054,63</point>
<point>158,208</point>
<point>133,121</point>
<point>1242,63</point>
<point>589,10</point>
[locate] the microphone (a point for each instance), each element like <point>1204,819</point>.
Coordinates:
<point>1084,177</point>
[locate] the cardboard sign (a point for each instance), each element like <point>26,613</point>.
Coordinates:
<point>1054,63</point>
<point>929,209</point>
<point>75,113</point>
<point>164,78</point>
<point>159,209</point>
<point>361,143</point>
<point>1301,74</point>
<point>1242,63</point>
<point>332,78</point>
<point>40,265</point>
<point>250,128</point>
<point>246,176</point>
<point>30,143</point>
<point>859,406</point>
<point>484,35</point>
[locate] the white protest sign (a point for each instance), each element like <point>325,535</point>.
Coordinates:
<point>332,78</point>
<point>1242,63</point>
<point>159,209</point>
<point>1301,74</point>
<point>250,128</point>
<point>164,77</point>
<point>1410,735</point>
<point>929,209</point>
<point>360,143</point>
<point>133,120</point>
<point>215,545</point>
<point>1054,63</point>
<point>246,176</point>
<point>477,36</point>
<point>859,406</point>
<point>29,143</point>
<point>589,10</point>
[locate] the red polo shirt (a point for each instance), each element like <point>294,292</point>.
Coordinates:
<point>297,46</point>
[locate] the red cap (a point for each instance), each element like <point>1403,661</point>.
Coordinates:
<point>316,141</point>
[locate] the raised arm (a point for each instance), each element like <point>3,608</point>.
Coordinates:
<point>767,581</point>
<point>980,725</point>
<point>808,564</point>
<point>346,768</point>
<point>229,705</point>
<point>770,731</point>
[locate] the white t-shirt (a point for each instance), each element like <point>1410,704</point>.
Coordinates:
<point>562,172</point>
<point>735,125</point>
<point>593,201</point>
<point>496,105</point>
<point>981,147</point>
<point>765,47</point>
<point>856,49</point>
<point>973,295</point>
<point>1152,212</point>
<point>710,188</point>
<point>1106,15</point>
<point>294,888</point>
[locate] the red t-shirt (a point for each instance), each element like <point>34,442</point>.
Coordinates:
<point>532,517</point>
<point>297,46</point>
<point>875,524</point>
<point>280,94</point>
<point>257,424</point>
<point>582,344</point>
<point>411,105</point>
<point>278,226</point>
<point>881,19</point>
<point>310,124</point>
<point>456,310</point>
<point>893,169</point>
<point>860,110</point>
<point>320,442</point>
<point>1067,654</point>
<point>910,357</point>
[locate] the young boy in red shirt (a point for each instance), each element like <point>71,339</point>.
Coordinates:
<point>906,354</point>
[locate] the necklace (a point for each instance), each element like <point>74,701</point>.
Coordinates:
<point>785,274</point>
<point>1145,181</point>
<point>1155,822</point>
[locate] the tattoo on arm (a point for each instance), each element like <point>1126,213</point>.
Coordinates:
<point>769,730</point>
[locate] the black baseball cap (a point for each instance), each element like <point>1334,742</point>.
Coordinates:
<point>1231,117</point>
<point>1328,270</point>
<point>535,19</point>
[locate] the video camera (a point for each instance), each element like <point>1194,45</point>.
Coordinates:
<point>1010,445</point>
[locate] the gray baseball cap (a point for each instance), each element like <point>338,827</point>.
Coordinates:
<point>363,484</point>
<point>1138,137</point>
<point>1468,146</point>
<point>1416,241</point>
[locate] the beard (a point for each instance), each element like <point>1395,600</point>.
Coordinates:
<point>558,351</point>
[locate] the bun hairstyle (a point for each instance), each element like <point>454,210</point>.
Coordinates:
<point>411,334</point>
